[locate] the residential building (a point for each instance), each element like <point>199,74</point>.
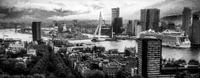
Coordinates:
<point>149,57</point>
<point>36,31</point>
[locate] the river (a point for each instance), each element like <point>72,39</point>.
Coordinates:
<point>186,54</point>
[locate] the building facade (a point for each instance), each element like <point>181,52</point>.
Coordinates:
<point>138,29</point>
<point>150,19</point>
<point>117,26</point>
<point>149,59</point>
<point>186,20</point>
<point>130,28</point>
<point>116,21</point>
<point>115,13</point>
<point>194,35</point>
<point>36,31</point>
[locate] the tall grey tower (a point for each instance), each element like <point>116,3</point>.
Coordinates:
<point>194,35</point>
<point>149,58</point>
<point>115,26</point>
<point>150,19</point>
<point>36,31</point>
<point>186,20</point>
<point>115,13</point>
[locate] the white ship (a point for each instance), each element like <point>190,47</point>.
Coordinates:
<point>169,38</point>
<point>175,39</point>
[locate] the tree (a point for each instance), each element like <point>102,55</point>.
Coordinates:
<point>127,53</point>
<point>193,62</point>
<point>180,62</point>
<point>19,68</point>
<point>97,74</point>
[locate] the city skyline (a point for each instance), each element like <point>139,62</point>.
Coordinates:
<point>99,39</point>
<point>87,10</point>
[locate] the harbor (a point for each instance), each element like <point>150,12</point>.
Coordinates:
<point>167,52</point>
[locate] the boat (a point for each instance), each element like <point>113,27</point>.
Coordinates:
<point>113,38</point>
<point>96,40</point>
<point>175,39</point>
<point>169,38</point>
<point>97,33</point>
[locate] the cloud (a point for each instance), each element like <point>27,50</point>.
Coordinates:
<point>96,7</point>
<point>175,7</point>
<point>80,9</point>
<point>12,12</point>
<point>57,3</point>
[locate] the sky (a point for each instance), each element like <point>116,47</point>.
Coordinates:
<point>71,9</point>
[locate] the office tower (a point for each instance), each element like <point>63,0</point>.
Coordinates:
<point>36,31</point>
<point>115,13</point>
<point>117,24</point>
<point>149,58</point>
<point>186,20</point>
<point>150,19</point>
<point>195,30</point>
<point>130,28</point>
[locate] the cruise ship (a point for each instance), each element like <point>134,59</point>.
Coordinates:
<point>175,39</point>
<point>169,38</point>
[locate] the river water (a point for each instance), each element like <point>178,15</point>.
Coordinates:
<point>186,54</point>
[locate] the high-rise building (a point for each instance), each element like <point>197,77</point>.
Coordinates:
<point>150,19</point>
<point>195,30</point>
<point>130,28</point>
<point>186,20</point>
<point>115,13</point>
<point>138,29</point>
<point>117,24</point>
<point>149,58</point>
<point>36,31</point>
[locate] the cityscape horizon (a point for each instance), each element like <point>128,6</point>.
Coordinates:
<point>100,39</point>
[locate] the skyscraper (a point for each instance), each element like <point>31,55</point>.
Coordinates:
<point>186,20</point>
<point>115,13</point>
<point>195,30</point>
<point>130,28</point>
<point>117,24</point>
<point>114,19</point>
<point>149,59</point>
<point>36,31</point>
<point>150,19</point>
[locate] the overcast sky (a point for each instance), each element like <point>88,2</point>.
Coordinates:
<point>82,9</point>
